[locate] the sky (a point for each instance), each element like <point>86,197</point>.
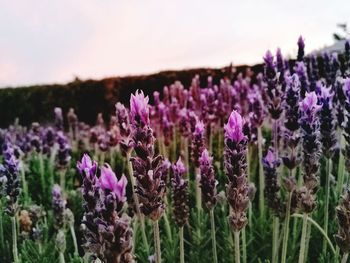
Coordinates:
<point>54,41</point>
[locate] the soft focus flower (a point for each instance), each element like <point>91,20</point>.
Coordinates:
<point>180,194</point>
<point>301,46</point>
<point>234,127</point>
<point>207,180</point>
<point>309,104</point>
<point>58,206</point>
<point>198,142</point>
<point>272,188</point>
<point>342,238</point>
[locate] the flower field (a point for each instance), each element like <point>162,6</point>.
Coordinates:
<point>254,168</point>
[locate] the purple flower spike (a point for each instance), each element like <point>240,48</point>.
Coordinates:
<point>180,194</point>
<point>139,108</point>
<point>301,47</point>
<point>270,158</point>
<point>109,181</point>
<point>87,165</point>
<point>272,188</point>
<point>179,168</point>
<point>58,206</point>
<point>234,127</point>
<point>309,104</point>
<point>207,180</point>
<point>346,87</point>
<point>199,128</point>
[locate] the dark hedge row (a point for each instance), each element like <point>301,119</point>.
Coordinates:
<point>36,103</point>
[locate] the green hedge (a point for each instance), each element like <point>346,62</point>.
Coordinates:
<point>36,103</point>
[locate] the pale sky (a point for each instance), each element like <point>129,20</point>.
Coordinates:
<point>52,41</point>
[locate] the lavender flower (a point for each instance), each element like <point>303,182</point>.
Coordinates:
<point>198,142</point>
<point>273,89</point>
<point>58,207</point>
<point>207,180</point>
<point>291,123</point>
<point>58,118</point>
<point>300,70</point>
<point>327,123</point>
<point>342,238</point>
<point>150,171</point>
<point>64,151</point>
<point>180,194</point>
<point>272,187</point>
<point>346,125</point>
<point>309,123</point>
<point>107,233</point>
<point>9,174</point>
<point>301,47</point>
<point>109,182</point>
<point>139,108</point>
<point>238,191</point>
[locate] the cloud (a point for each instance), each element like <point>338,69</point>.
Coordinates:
<point>54,41</point>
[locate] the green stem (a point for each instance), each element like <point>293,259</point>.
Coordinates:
<point>62,260</point>
<point>14,239</point>
<point>341,165</point>
<point>237,250</point>
<point>275,235</point>
<point>174,144</point>
<point>211,133</point>
<point>24,184</point>
<point>303,239</point>
<point>63,179</point>
<point>1,228</point>
<point>213,235</point>
<point>182,250</point>
<point>198,190</point>
<point>244,245</point>
<point>167,226</point>
<point>261,175</point>
<point>76,251</point>
<point>157,242</point>
<point>345,258</point>
<point>42,175</point>
<point>313,222</point>
<point>307,242</point>
<point>325,224</point>
<point>286,229</point>
<point>137,204</point>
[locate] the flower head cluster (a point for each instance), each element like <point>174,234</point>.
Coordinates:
<point>272,187</point>
<point>198,142</point>
<point>309,123</point>
<point>107,232</point>
<point>207,180</point>
<point>342,238</point>
<point>9,177</point>
<point>346,124</point>
<point>58,118</point>
<point>180,193</point>
<point>64,151</point>
<point>58,207</point>
<point>123,123</point>
<point>327,123</point>
<point>139,108</point>
<point>238,191</point>
<point>291,124</point>
<point>301,47</point>
<point>273,88</point>
<point>150,171</point>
